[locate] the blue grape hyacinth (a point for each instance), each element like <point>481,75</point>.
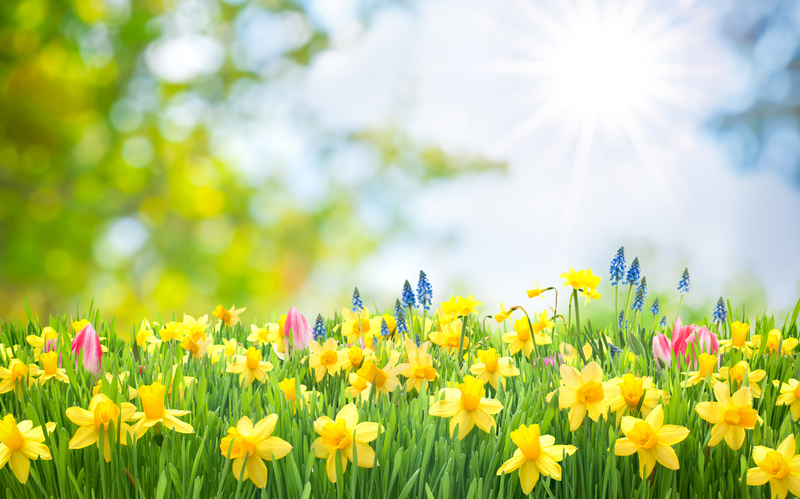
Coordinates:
<point>663,321</point>
<point>683,284</point>
<point>424,291</point>
<point>358,305</point>
<point>320,331</point>
<point>638,300</point>
<point>409,300</point>
<point>655,308</point>
<point>720,312</point>
<point>617,269</point>
<point>385,328</point>
<point>634,272</point>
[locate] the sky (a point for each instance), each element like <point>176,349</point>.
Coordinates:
<point>638,167</point>
<point>600,110</point>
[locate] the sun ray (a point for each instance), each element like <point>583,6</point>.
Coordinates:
<point>531,123</point>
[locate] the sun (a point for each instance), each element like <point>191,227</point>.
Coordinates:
<point>601,64</point>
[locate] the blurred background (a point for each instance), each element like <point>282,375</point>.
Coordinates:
<point>171,155</point>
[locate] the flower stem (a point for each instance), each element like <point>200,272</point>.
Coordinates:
<point>461,340</point>
<point>679,309</point>
<point>577,311</point>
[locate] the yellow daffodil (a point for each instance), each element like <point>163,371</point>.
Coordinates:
<point>738,339</point>
<point>781,468</point>
<point>195,341</point>
<point>537,291</point>
<point>228,318</point>
<point>111,379</point>
<point>50,368</point>
<point>466,306</point>
<point>582,392</point>
<point>358,385</point>
<point>260,335</point>
<point>790,395</point>
<point>172,331</point>
<point>706,365</point>
<point>39,342</point>
<point>338,437</point>
<point>522,339</point>
<point>152,398</point>
<point>77,326</point>
<point>353,357</point>
<point>359,326</point>
<point>503,314</point>
<point>570,355</point>
<point>734,376</point>
<point>468,407</point>
<point>493,368</point>
<point>196,345</point>
<point>250,367</point>
<point>536,455</point>
<point>729,415</point>
<point>324,359</point>
<point>385,380</point>
<point>651,440</point>
<point>21,442</point>
<point>449,336</point>
<point>182,386</point>
<point>625,394</point>
<point>145,338</point>
<point>775,343</point>
<point>249,446</point>
<point>277,336</point>
<point>15,374</point>
<point>420,366</point>
<point>101,411</point>
<point>287,386</point>
<point>583,280</point>
<point>230,348</point>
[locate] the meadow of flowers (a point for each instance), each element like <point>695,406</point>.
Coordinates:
<point>459,400</point>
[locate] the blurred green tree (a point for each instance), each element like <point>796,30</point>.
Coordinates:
<point>118,184</point>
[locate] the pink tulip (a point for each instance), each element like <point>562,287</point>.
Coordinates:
<point>706,341</point>
<point>299,327</point>
<point>88,341</point>
<point>662,349</point>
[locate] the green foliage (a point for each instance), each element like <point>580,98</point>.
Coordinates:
<point>89,138</point>
<point>415,455</point>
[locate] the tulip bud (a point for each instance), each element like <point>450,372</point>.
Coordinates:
<point>299,327</point>
<point>662,349</point>
<point>88,342</point>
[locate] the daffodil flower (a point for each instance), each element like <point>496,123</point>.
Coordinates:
<point>582,392</point>
<point>338,437</point>
<point>324,359</point>
<point>20,443</point>
<point>249,446</point>
<point>50,368</point>
<point>226,317</point>
<point>789,395</point>
<point>652,440</point>
<point>250,367</point>
<point>152,398</point>
<point>626,393</point>
<point>493,368</point>
<point>95,420</point>
<point>467,406</point>
<point>781,468</point>
<point>729,415</point>
<point>536,455</point>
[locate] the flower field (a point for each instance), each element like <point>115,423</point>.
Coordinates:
<point>447,399</point>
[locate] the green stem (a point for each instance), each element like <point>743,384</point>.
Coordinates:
<point>627,305</point>
<point>616,309</point>
<point>461,340</point>
<point>679,309</point>
<point>653,327</point>
<point>530,328</point>
<point>577,310</point>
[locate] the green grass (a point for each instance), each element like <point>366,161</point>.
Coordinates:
<point>416,455</point>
